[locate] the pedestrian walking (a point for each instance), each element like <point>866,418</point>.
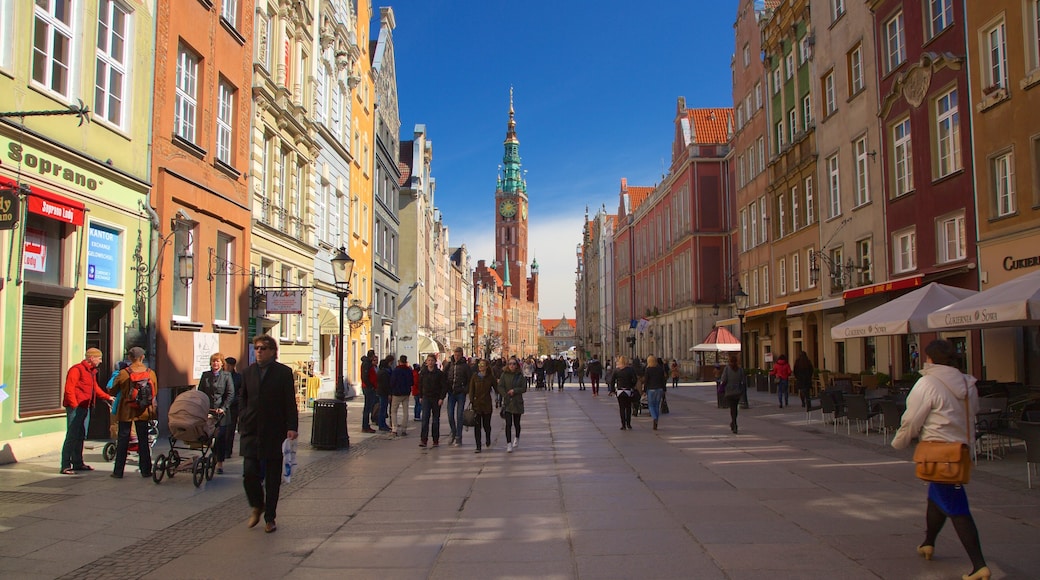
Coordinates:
<point>81,392</point>
<point>434,387</point>
<point>230,365</point>
<point>528,369</point>
<point>782,372</point>
<point>675,371</point>
<point>803,375</point>
<point>939,408</point>
<point>401,380</point>
<point>416,393</point>
<point>481,384</point>
<point>458,374</point>
<point>656,382</point>
<point>623,384</point>
<point>218,386</point>
<point>383,390</point>
<point>129,414</point>
<point>269,417</point>
<point>512,387</point>
<point>579,371</point>
<point>595,368</point>
<point>369,378</point>
<point>734,385</point>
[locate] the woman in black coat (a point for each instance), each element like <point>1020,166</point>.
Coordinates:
<point>623,382</point>
<point>803,372</point>
<point>383,390</point>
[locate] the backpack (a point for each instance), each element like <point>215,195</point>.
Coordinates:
<point>142,394</point>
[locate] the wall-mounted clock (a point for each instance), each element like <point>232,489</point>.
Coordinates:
<point>355,313</point>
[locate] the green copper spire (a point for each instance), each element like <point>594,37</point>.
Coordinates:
<point>512,182</point>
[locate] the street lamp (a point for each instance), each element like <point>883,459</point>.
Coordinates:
<point>342,268</point>
<point>741,302</point>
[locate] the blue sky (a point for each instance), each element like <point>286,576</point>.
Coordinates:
<point>595,87</point>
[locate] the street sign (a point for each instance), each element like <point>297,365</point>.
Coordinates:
<point>10,209</point>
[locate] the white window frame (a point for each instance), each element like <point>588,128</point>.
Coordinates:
<point>994,57</point>
<point>765,284</point>
<point>760,144</point>
<point>794,208</point>
<point>865,274</point>
<point>44,63</point>
<point>894,36</point>
<point>862,192</point>
<point>902,154</point>
<point>796,274</point>
<point>792,123</point>
<point>6,33</point>
<point>763,224</point>
<point>952,241</point>
<point>186,95</point>
<point>837,9</point>
<point>781,216</point>
<point>758,95</point>
<point>809,283</point>
<point>777,78</point>
<point>803,48</point>
<point>223,257</point>
<point>753,211</point>
<point>830,103</point>
<point>939,16</point>
<point>779,136</point>
<point>856,81</point>
<point>810,203</point>
<point>833,187</point>
<point>904,250</point>
<point>183,244</point>
<point>744,234</point>
<point>806,112</point>
<point>229,12</point>
<point>948,133</point>
<point>226,94</point>
<point>1004,184</point>
<point>747,55</point>
<point>789,65</point>
<point>1033,36</point>
<point>111,78</point>
<point>782,277</point>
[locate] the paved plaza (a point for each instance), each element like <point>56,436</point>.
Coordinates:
<point>580,498</point>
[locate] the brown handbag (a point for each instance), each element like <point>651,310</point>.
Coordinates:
<point>944,462</point>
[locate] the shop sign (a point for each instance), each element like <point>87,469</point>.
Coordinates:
<point>1011,263</point>
<point>104,246</point>
<point>36,161</point>
<point>55,207</point>
<point>285,302</point>
<point>35,250</point>
<point>903,284</point>
<point>9,208</point>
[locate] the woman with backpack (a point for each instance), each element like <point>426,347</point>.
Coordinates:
<point>218,385</point>
<point>132,381</point>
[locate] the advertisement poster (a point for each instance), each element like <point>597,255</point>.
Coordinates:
<point>35,253</point>
<point>206,344</point>
<point>103,250</point>
<point>285,302</point>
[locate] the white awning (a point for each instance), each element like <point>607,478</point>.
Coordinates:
<point>816,306</point>
<point>427,345</point>
<point>907,314</point>
<point>1013,303</point>
<point>328,321</point>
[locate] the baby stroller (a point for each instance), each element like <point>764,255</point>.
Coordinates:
<point>194,427</point>
<point>108,452</point>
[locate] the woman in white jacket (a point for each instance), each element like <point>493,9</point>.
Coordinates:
<point>935,411</point>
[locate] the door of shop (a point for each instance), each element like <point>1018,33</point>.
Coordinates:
<point>99,335</point>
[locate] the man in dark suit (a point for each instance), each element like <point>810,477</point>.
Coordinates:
<point>268,416</point>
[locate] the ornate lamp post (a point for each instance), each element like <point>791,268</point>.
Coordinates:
<point>740,300</point>
<point>342,268</point>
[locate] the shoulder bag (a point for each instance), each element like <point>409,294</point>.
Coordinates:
<point>944,462</point>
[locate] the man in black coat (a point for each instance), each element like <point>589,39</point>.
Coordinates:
<point>433,384</point>
<point>267,417</point>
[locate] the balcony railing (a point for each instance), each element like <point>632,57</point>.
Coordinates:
<point>281,219</point>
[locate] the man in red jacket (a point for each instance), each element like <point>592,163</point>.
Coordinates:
<point>81,391</point>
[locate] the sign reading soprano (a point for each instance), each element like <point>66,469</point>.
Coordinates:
<point>285,302</point>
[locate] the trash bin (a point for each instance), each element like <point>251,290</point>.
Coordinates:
<point>329,425</point>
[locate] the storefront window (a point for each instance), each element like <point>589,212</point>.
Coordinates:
<point>42,250</point>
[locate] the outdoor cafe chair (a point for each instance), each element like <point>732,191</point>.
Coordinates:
<point>1030,432</point>
<point>858,411</point>
<point>891,417</point>
<point>987,432</point>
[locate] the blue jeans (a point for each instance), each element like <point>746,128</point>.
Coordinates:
<point>431,413</point>
<point>653,400</point>
<point>418,407</point>
<point>384,412</point>
<point>77,421</point>
<point>456,404</point>
<point>781,391</point>
<point>370,403</point>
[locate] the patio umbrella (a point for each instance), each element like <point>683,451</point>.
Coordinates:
<point>1013,303</point>
<point>904,315</point>
<point>718,340</point>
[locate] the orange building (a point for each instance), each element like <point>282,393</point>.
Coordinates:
<point>200,147</point>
